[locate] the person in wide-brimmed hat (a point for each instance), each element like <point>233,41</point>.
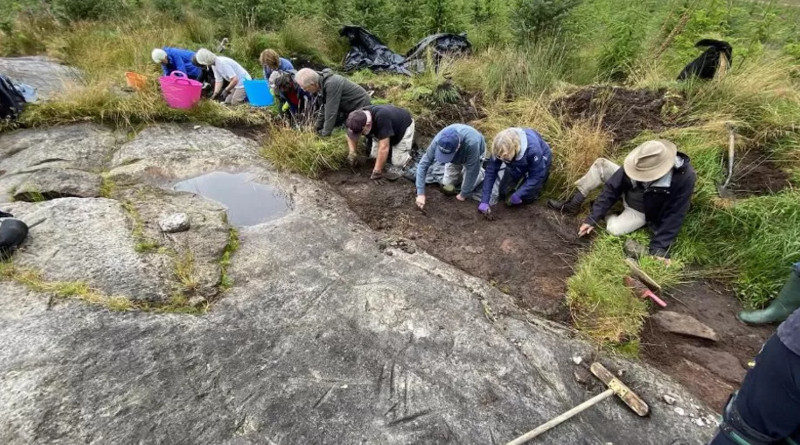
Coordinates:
<point>655,183</point>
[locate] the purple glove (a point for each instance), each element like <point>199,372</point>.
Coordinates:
<point>483,207</point>
<point>515,200</point>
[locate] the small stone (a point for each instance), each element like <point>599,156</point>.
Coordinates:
<point>577,359</point>
<point>582,375</point>
<point>669,399</point>
<point>699,421</point>
<point>175,222</point>
<point>679,411</point>
<point>507,246</point>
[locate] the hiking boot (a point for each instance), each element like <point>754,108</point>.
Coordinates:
<point>780,308</point>
<point>568,207</point>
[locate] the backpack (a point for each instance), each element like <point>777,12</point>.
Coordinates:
<point>12,233</point>
<point>11,101</point>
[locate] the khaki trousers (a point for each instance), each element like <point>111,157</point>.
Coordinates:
<point>626,222</point>
<point>400,153</point>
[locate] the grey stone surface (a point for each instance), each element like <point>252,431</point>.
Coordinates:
<point>66,159</point>
<point>174,222</point>
<point>86,240</point>
<point>171,152</point>
<point>721,363</point>
<point>46,75</point>
<point>58,183</point>
<point>323,338</point>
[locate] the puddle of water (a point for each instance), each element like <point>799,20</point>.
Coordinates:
<point>248,202</point>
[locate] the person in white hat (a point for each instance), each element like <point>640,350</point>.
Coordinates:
<point>228,70</point>
<point>655,184</point>
<point>176,59</point>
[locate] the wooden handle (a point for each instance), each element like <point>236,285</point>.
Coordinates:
<point>629,397</point>
<point>563,417</point>
<point>641,275</point>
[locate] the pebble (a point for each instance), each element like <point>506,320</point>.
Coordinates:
<point>577,359</point>
<point>669,399</point>
<point>680,411</point>
<point>699,421</point>
<point>174,222</point>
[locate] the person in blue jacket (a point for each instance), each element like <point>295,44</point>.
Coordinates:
<point>524,158</point>
<point>459,147</point>
<point>177,59</point>
<point>270,61</point>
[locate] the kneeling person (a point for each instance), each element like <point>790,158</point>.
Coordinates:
<point>523,159</point>
<point>459,147</point>
<point>226,69</point>
<point>655,184</point>
<point>391,130</point>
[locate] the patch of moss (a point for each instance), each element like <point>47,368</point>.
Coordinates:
<point>225,281</point>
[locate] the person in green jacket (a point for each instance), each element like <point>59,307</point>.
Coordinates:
<point>339,97</point>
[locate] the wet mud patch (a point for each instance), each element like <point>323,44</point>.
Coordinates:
<point>622,112</point>
<point>757,173</point>
<point>710,370</point>
<point>526,252</point>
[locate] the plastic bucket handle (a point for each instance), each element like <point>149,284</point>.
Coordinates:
<point>177,73</point>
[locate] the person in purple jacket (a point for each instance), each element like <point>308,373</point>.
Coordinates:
<point>766,409</point>
<point>523,159</point>
<point>177,59</point>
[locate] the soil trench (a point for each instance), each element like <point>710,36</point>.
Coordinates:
<point>527,252</point>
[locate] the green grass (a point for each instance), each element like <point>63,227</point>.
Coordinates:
<point>302,151</point>
<point>225,280</point>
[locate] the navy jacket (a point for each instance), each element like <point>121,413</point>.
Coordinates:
<point>533,164</point>
<point>665,207</point>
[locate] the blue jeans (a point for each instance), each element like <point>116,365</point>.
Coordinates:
<point>768,402</point>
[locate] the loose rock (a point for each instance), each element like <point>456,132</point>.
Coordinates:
<point>175,222</point>
<point>683,324</point>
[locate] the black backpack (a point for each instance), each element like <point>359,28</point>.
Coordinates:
<point>11,101</point>
<point>12,233</point>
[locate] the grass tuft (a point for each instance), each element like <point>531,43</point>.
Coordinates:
<point>302,151</point>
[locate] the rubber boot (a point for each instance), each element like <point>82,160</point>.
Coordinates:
<point>571,206</point>
<point>781,307</point>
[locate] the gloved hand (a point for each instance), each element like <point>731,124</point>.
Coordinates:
<point>515,200</point>
<point>484,208</point>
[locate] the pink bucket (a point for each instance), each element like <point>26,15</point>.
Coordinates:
<point>179,91</point>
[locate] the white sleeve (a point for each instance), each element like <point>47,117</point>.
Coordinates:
<point>217,76</point>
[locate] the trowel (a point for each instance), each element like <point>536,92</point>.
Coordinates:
<point>723,190</point>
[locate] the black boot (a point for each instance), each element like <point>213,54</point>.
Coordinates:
<point>571,206</point>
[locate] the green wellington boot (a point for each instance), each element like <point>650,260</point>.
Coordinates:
<point>781,307</point>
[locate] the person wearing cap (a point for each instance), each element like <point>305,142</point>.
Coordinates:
<point>270,61</point>
<point>338,97</point>
<point>391,130</point>
<point>766,409</point>
<point>176,59</point>
<point>655,184</point>
<point>524,159</point>
<point>459,147</point>
<point>228,70</point>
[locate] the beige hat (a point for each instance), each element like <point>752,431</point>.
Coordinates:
<point>650,160</point>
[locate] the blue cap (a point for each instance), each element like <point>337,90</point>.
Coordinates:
<point>446,145</point>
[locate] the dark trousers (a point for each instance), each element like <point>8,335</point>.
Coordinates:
<point>769,400</point>
<point>512,180</point>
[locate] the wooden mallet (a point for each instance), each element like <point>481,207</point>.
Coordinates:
<point>615,386</point>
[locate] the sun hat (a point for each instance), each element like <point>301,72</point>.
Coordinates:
<point>205,57</point>
<point>650,160</point>
<point>158,55</point>
<point>446,145</point>
<point>356,121</point>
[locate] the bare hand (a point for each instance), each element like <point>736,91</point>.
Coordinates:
<point>421,201</point>
<point>460,198</point>
<point>585,229</point>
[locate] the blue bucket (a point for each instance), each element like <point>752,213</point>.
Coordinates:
<point>258,93</point>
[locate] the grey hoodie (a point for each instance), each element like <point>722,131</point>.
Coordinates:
<point>339,97</point>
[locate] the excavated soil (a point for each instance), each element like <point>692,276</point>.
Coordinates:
<point>701,364</point>
<point>526,252</point>
<point>757,173</point>
<point>622,112</point>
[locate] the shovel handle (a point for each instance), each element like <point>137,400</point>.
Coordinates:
<point>562,418</point>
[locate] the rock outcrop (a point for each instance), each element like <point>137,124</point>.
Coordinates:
<point>326,335</point>
<point>46,75</point>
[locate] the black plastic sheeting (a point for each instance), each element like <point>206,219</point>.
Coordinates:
<point>367,51</point>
